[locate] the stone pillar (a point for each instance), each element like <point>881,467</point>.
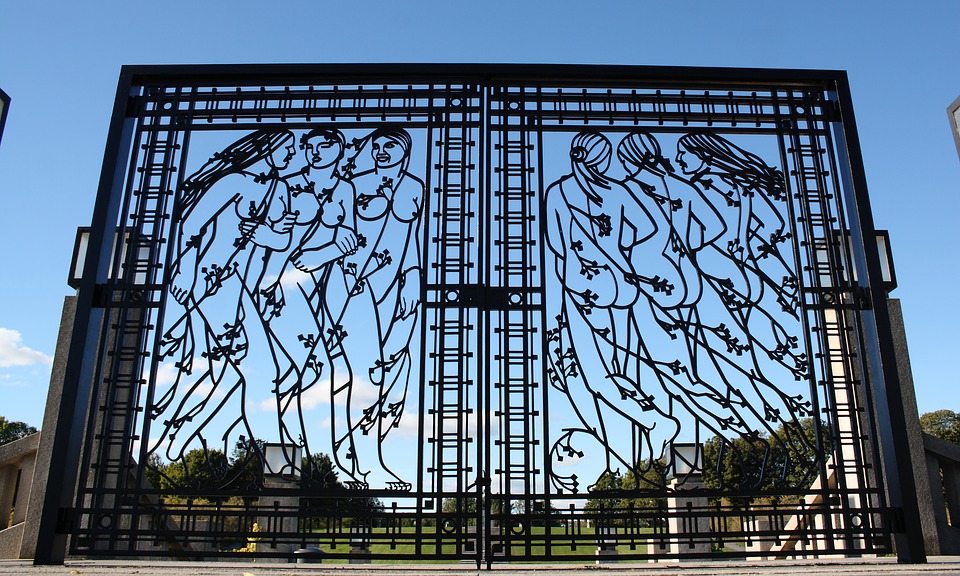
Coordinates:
<point>278,517</point>
<point>28,546</point>
<point>17,460</point>
<point>938,505</point>
<point>688,521</point>
<point>25,482</point>
<point>360,543</point>
<point>931,541</point>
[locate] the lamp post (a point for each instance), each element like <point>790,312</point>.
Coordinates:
<point>279,513</point>
<point>281,462</point>
<point>688,520</point>
<point>686,461</point>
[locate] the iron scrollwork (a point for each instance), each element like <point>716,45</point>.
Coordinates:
<point>680,305</point>
<point>270,242</point>
<point>478,317</point>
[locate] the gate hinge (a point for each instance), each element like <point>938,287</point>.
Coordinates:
<point>65,520</point>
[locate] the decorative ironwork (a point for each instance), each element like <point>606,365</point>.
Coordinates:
<point>697,256</point>
<point>483,308</point>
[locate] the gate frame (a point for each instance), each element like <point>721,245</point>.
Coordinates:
<point>79,386</point>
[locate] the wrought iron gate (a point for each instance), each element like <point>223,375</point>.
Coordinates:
<point>481,313</point>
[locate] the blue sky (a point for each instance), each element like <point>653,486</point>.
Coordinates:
<point>59,61</point>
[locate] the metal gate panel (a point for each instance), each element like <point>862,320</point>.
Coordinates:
<point>489,313</point>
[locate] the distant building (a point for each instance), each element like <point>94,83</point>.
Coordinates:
<point>4,106</point>
<point>954,112</point>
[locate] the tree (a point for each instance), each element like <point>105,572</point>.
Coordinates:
<point>330,497</point>
<point>762,467</point>
<point>944,424</point>
<point>619,494</point>
<point>317,471</point>
<point>199,469</point>
<point>10,431</point>
<point>246,465</point>
<point>155,470</point>
<point>795,459</point>
<point>736,463</point>
<point>652,478</point>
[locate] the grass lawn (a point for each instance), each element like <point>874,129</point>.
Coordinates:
<point>535,541</point>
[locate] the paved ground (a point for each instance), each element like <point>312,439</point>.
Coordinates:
<point>848,567</point>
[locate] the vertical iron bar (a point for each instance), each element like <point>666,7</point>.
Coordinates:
<point>484,190</point>
<point>433,128</point>
<point>907,532</point>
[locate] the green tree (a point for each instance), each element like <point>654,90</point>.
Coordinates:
<point>944,424</point>
<point>200,469</point>
<point>652,478</point>
<point>634,490</point>
<point>788,458</point>
<point>736,463</point>
<point>10,431</point>
<point>465,505</point>
<point>246,465</point>
<point>332,498</point>
<point>317,471</point>
<point>608,489</point>
<point>795,454</point>
<point>155,470</point>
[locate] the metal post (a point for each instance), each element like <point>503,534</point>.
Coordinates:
<point>885,380</point>
<point>58,502</point>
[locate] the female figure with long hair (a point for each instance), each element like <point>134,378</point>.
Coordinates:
<point>679,329</point>
<point>765,284</point>
<point>323,231</point>
<point>378,289</point>
<point>687,223</point>
<point>685,219</point>
<point>593,225</point>
<point>751,272</point>
<point>229,221</point>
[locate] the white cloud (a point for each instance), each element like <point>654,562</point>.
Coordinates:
<point>409,424</point>
<point>293,276</point>
<point>318,394</point>
<point>290,278</point>
<point>14,353</point>
<point>363,394</point>
<point>207,390</point>
<point>167,374</point>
